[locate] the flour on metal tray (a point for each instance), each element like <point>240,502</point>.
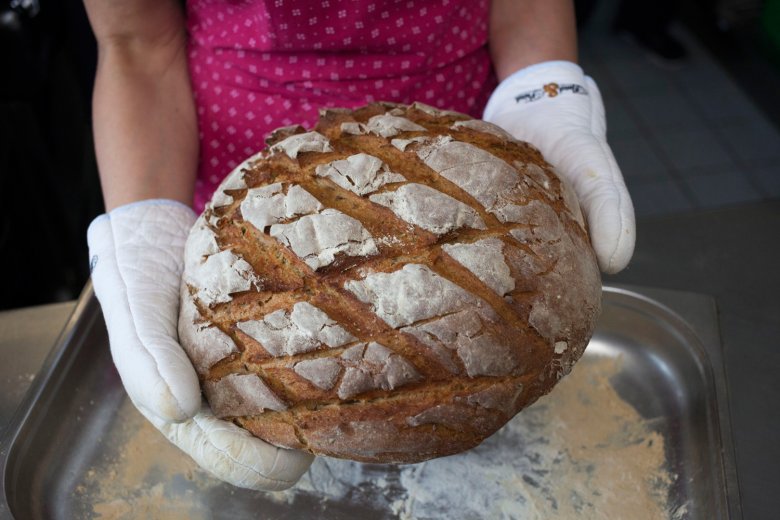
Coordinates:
<point>577,453</point>
<point>484,258</point>
<point>317,239</point>
<point>298,143</point>
<point>429,208</point>
<point>303,329</point>
<point>360,173</point>
<point>237,395</point>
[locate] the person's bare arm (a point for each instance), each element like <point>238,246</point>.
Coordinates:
<point>524,32</point>
<point>146,136</point>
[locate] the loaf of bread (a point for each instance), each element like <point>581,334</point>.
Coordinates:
<point>392,286</point>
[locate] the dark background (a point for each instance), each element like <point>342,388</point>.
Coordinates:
<point>48,178</point>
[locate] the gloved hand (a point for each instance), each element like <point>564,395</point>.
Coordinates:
<point>558,109</point>
<point>136,257</point>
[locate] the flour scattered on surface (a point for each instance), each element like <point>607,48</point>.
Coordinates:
<point>144,477</point>
<point>580,452</point>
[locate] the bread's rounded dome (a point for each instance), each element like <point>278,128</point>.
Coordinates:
<point>392,286</point>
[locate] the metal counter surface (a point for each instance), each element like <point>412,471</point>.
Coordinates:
<point>732,254</point>
<point>26,336</point>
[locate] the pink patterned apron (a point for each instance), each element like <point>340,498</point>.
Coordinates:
<point>259,65</point>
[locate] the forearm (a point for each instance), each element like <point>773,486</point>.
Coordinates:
<point>524,32</point>
<point>145,126</point>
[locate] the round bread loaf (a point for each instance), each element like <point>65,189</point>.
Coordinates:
<point>393,286</point>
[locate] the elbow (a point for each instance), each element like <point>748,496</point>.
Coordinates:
<point>138,53</point>
<point>151,47</point>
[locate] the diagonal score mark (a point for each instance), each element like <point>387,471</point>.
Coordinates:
<point>462,384</point>
<point>414,169</point>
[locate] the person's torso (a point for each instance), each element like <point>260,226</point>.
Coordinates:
<point>259,65</point>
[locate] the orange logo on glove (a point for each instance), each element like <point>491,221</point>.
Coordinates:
<point>550,90</point>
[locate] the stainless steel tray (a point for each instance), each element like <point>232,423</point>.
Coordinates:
<point>75,432</point>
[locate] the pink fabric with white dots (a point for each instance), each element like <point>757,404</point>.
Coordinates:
<point>259,65</point>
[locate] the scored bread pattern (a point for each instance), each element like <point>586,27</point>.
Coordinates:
<point>210,343</point>
<point>411,294</point>
<point>388,125</point>
<point>317,239</point>
<point>395,268</point>
<point>303,329</point>
<point>464,331</point>
<point>360,173</point>
<point>373,366</point>
<point>485,258</point>
<point>299,143</point>
<point>234,181</point>
<point>428,208</point>
<point>300,221</point>
<point>241,394</point>
<point>222,274</point>
<point>269,205</point>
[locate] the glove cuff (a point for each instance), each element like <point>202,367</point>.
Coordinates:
<point>179,215</point>
<point>542,81</point>
<point>174,205</point>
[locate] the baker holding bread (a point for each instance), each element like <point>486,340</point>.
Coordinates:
<point>182,99</point>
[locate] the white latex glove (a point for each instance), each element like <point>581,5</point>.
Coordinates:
<point>558,109</point>
<point>137,256</point>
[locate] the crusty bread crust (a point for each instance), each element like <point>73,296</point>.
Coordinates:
<point>391,287</point>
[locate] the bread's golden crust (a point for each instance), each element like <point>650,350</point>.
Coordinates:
<point>385,384</point>
<point>380,430</point>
